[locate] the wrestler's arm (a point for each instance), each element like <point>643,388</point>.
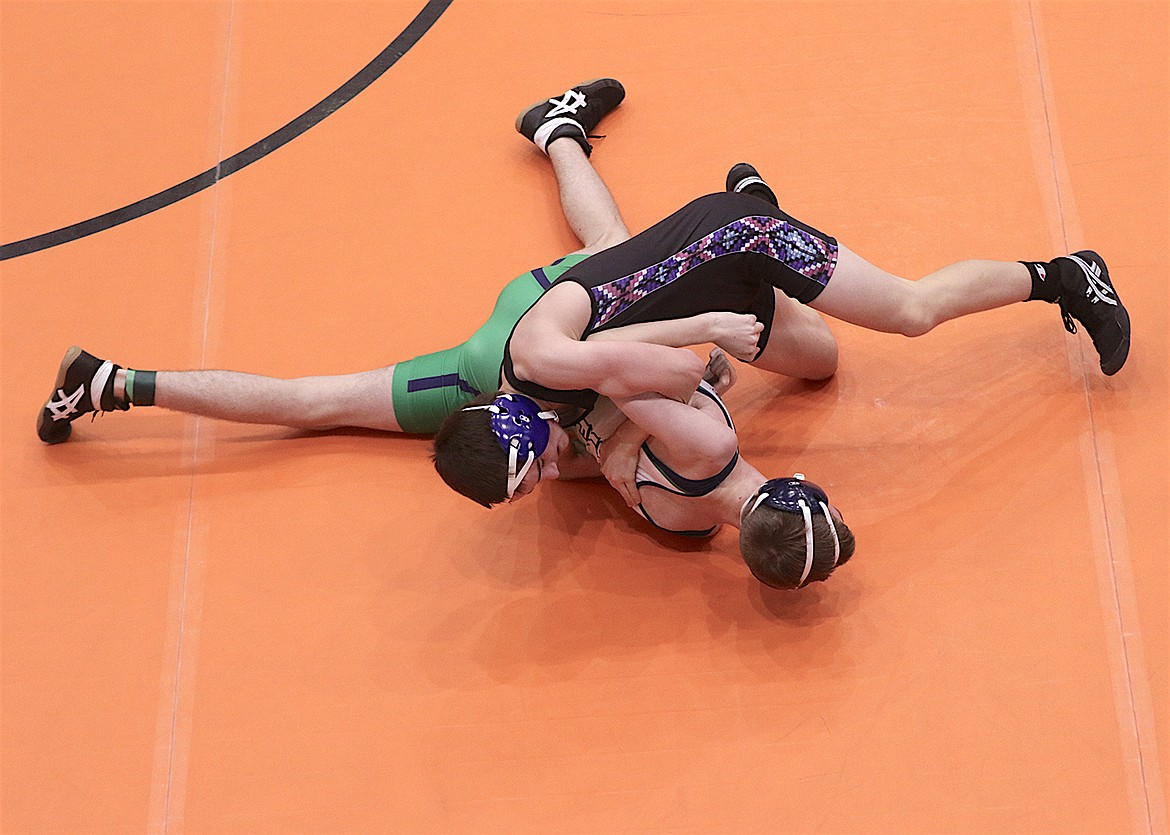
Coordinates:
<point>546,350</point>
<point>736,333</point>
<point>614,369</point>
<point>621,450</point>
<point>689,436</point>
<point>619,460</point>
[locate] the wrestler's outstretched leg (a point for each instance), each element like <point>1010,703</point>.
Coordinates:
<point>423,389</point>
<point>87,384</point>
<point>866,295</point>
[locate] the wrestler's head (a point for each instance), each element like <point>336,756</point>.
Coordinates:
<point>790,535</point>
<point>498,448</point>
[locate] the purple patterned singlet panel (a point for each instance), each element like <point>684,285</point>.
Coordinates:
<point>798,250</point>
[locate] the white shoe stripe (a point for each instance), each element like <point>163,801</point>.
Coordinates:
<point>570,102</point>
<point>98,385</point>
<point>66,405</point>
<point>1101,291</point>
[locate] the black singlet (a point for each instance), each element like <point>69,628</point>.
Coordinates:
<point>723,252</point>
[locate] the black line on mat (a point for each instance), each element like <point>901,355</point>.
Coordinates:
<point>367,76</point>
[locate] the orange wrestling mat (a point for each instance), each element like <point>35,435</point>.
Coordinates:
<point>217,628</point>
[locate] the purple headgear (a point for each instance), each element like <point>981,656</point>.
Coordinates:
<point>795,495</point>
<point>522,430</point>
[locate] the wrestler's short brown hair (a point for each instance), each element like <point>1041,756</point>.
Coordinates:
<point>469,458</point>
<point>773,546</point>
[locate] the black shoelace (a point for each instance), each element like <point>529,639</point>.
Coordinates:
<point>1069,324</point>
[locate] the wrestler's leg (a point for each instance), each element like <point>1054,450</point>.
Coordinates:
<point>588,205</point>
<point>429,388</point>
<point>87,384</point>
<point>359,400</point>
<point>366,399</point>
<point>800,344</point>
<point>865,295</point>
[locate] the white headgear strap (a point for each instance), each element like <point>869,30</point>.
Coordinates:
<point>833,530</point>
<point>806,511</point>
<point>808,541</point>
<point>515,475</point>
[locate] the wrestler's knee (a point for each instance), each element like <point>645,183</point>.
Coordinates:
<point>800,343</point>
<point>908,309</point>
<point>914,317</point>
<point>807,353</point>
<point>821,354</point>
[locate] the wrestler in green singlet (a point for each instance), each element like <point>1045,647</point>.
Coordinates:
<point>429,388</point>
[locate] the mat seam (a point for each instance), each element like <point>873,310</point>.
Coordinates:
<point>1107,519</point>
<point>198,433</point>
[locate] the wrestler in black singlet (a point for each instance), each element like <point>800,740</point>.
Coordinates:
<point>721,252</point>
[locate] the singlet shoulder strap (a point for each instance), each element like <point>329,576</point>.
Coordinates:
<point>648,518</point>
<point>694,487</point>
<point>706,390</point>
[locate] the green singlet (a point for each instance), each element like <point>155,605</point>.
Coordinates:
<point>429,388</point>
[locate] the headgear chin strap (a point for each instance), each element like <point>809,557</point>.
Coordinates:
<point>522,430</point>
<point>795,495</point>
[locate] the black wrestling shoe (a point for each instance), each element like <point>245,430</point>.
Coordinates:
<point>84,384</point>
<point>574,114</point>
<point>743,178</point>
<point>1087,295</point>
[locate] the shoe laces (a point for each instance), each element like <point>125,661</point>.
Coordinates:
<point>117,407</point>
<point>1069,324</point>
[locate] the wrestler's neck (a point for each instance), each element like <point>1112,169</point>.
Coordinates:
<point>729,497</point>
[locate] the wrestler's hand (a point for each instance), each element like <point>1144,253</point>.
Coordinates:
<point>720,373</point>
<point>619,460</point>
<point>736,333</point>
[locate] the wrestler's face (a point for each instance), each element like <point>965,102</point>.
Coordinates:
<point>545,467</point>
